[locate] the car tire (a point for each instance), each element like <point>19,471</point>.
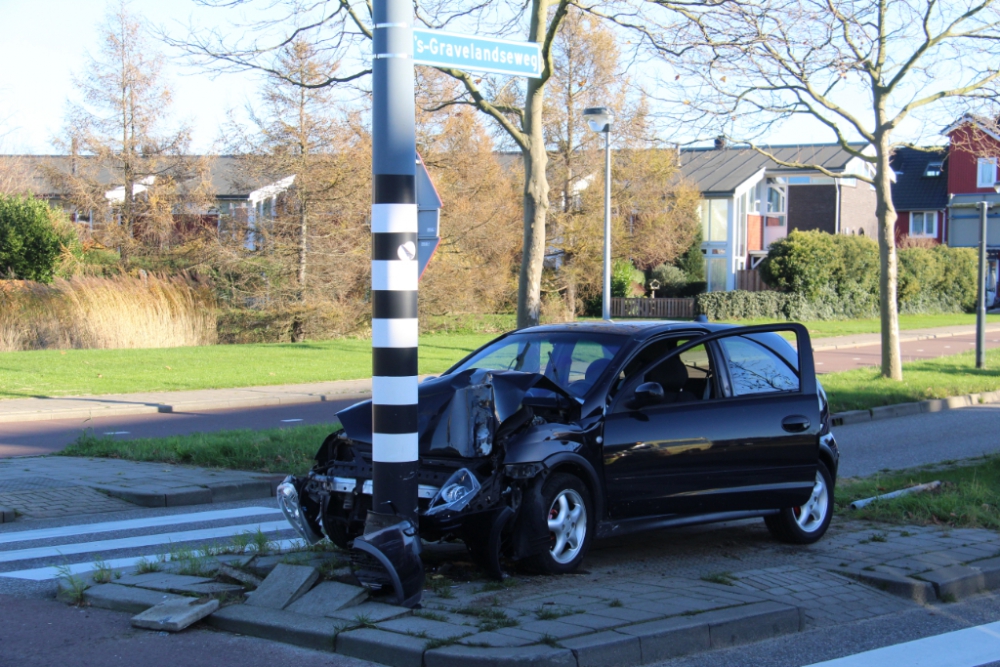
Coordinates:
<point>808,522</point>
<point>569,515</point>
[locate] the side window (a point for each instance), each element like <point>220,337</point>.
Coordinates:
<point>684,378</point>
<point>753,369</point>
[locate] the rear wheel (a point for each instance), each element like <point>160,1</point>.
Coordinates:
<point>569,518</point>
<point>808,522</point>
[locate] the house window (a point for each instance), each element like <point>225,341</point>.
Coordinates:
<point>923,223</point>
<point>933,169</point>
<point>714,220</point>
<point>986,172</point>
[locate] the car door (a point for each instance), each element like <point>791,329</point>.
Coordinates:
<point>737,446</point>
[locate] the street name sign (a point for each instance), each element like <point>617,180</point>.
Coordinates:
<point>476,54</point>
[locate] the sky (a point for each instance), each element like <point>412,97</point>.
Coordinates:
<point>45,42</point>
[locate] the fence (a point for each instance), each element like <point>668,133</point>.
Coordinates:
<point>654,308</point>
<point>750,280</point>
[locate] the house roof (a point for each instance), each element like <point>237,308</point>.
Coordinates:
<point>913,190</point>
<point>719,171</point>
<point>228,181</point>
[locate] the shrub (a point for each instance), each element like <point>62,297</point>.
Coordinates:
<point>672,279</point>
<point>741,305</point>
<point>31,240</point>
<point>120,312</point>
<point>692,262</point>
<point>622,277</point>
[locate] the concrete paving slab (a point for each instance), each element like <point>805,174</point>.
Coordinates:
<point>125,598</point>
<point>469,656</point>
<point>896,582</point>
<point>386,648</point>
<point>415,625</point>
<point>174,615</point>
<point>328,597</point>
<point>214,588</point>
<point>285,585</point>
<point>593,621</point>
<point>373,612</point>
<point>556,629</point>
<point>7,515</point>
<point>495,640</point>
<point>278,625</point>
<point>670,638</point>
<point>991,572</point>
<point>161,581</point>
<point>605,649</point>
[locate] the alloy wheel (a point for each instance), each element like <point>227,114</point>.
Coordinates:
<point>810,516</point>
<point>567,521</point>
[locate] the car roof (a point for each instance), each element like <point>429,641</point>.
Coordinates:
<point>639,330</point>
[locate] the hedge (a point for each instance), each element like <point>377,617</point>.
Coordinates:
<point>822,276</point>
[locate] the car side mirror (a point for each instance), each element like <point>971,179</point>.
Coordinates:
<point>648,393</point>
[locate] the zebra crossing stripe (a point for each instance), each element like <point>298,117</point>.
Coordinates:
<point>136,541</point>
<point>49,573</point>
<point>132,524</point>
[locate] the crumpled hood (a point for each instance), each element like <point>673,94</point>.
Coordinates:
<point>455,409</point>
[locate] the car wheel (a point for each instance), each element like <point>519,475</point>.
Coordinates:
<point>569,517</point>
<point>808,522</point>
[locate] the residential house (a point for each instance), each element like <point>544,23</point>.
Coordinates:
<point>920,193</point>
<point>246,202</point>
<point>749,201</point>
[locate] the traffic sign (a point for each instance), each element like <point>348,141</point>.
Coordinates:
<point>428,216</point>
<point>477,54</point>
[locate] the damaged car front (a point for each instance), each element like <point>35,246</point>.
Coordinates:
<point>491,432</point>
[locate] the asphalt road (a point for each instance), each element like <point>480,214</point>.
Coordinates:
<point>906,442</point>
<point>45,437</point>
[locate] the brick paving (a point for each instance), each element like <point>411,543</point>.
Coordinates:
<point>51,503</point>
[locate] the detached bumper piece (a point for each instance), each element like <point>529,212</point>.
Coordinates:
<point>389,557</point>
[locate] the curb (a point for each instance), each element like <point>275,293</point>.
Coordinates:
<point>264,487</point>
<point>628,644</point>
<point>902,339</point>
<point>909,409</point>
<point>947,584</point>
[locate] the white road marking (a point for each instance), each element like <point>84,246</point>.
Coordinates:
<point>138,541</point>
<point>47,573</point>
<point>290,420</point>
<point>132,524</point>
<point>970,647</point>
<point>116,433</point>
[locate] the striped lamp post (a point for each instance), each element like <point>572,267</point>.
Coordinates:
<point>394,269</point>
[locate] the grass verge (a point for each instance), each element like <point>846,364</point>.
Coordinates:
<point>969,496</point>
<point>95,372</point>
<point>287,450</point>
<point>955,375</point>
<point>83,372</point>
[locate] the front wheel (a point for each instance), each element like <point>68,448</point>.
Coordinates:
<point>569,518</point>
<point>808,522</point>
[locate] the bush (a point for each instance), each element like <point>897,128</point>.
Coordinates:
<point>692,262</point>
<point>672,279</point>
<point>741,305</point>
<point>623,275</point>
<point>30,239</point>
<point>838,276</point>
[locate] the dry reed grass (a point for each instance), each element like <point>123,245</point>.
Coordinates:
<point>109,313</point>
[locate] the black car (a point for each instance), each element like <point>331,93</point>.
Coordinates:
<point>549,437</point>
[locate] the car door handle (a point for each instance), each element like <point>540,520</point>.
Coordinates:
<point>795,423</point>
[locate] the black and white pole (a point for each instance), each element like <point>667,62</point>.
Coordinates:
<point>394,268</point>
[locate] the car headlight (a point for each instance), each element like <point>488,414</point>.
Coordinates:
<point>456,493</point>
<point>288,501</point>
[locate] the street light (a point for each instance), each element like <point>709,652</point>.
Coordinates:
<point>599,119</point>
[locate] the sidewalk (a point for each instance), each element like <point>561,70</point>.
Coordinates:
<point>72,407</point>
<point>45,487</point>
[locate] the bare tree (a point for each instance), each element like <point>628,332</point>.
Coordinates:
<point>342,28</point>
<point>858,69</point>
<point>120,130</point>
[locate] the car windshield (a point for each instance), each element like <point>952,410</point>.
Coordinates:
<point>574,361</point>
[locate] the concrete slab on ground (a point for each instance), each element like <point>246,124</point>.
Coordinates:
<point>174,615</point>
<point>285,585</point>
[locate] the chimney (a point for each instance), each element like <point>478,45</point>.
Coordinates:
<point>720,142</point>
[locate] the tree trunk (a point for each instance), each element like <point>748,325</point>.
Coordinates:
<point>886,213</point>
<point>303,226</point>
<point>536,187</point>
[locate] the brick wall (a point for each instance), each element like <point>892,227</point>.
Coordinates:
<point>812,207</point>
<point>857,209</point>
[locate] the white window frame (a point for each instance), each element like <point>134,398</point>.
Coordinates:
<point>927,215</point>
<point>981,171</point>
